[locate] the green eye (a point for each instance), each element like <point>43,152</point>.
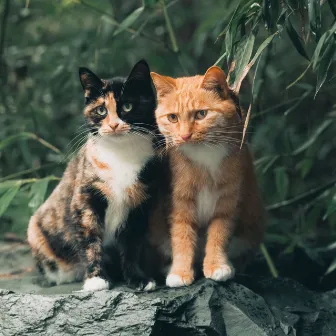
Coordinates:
<point>101,110</point>
<point>127,107</point>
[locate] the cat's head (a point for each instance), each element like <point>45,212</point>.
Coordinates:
<point>119,106</point>
<point>198,109</point>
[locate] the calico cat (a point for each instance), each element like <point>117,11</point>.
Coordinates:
<point>214,194</point>
<point>105,190</point>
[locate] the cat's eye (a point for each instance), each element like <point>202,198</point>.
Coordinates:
<point>201,114</point>
<point>101,110</point>
<point>172,118</point>
<point>127,107</point>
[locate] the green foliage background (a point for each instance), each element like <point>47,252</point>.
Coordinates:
<point>291,85</point>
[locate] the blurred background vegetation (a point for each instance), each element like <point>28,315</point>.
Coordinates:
<point>288,47</point>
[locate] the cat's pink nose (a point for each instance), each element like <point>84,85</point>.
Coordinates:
<point>113,125</point>
<point>186,137</point>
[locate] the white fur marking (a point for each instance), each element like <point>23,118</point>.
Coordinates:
<point>223,273</point>
<point>125,156</point>
<point>206,202</point>
<point>150,286</point>
<point>95,284</point>
<point>206,156</point>
<point>174,280</point>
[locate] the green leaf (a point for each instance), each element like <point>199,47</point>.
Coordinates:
<point>270,164</point>
<point>314,14</point>
<point>296,40</point>
<point>331,268</point>
<point>323,44</point>
<point>242,57</point>
<point>7,198</point>
<point>324,65</point>
<point>281,182</point>
<point>4,186</point>
<point>126,23</point>
<point>305,166</point>
<point>331,208</point>
<point>38,192</point>
<point>313,137</point>
<point>262,47</point>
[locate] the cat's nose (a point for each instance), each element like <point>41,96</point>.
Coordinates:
<point>186,137</point>
<point>113,125</point>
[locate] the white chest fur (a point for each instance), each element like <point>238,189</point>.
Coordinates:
<point>122,159</point>
<point>211,160</point>
<point>206,202</point>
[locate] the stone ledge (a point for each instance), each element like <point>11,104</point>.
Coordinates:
<point>246,307</point>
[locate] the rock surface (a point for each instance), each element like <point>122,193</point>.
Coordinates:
<point>246,307</point>
<point>269,307</point>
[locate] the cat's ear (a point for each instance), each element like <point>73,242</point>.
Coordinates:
<point>139,80</point>
<point>215,80</point>
<point>140,71</point>
<point>90,82</point>
<point>163,84</point>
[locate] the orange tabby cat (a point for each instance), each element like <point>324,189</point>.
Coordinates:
<point>214,191</point>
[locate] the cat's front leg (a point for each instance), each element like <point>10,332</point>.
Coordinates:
<point>216,264</point>
<point>183,237</point>
<point>95,279</point>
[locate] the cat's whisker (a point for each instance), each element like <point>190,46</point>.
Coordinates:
<point>70,151</point>
<point>78,135</point>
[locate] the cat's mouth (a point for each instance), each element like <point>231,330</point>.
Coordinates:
<point>114,133</point>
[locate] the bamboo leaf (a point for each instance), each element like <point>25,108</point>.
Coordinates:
<point>313,137</point>
<point>130,19</point>
<point>261,48</point>
<point>296,40</point>
<point>7,198</point>
<point>26,135</point>
<point>314,14</point>
<point>255,57</point>
<point>38,192</point>
<point>331,268</point>
<point>324,65</point>
<point>4,186</point>
<point>318,49</point>
<point>281,181</point>
<point>331,208</point>
<point>322,45</point>
<point>242,57</point>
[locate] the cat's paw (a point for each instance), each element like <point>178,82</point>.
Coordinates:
<point>176,280</point>
<point>151,285</point>
<point>140,283</point>
<point>219,272</point>
<point>95,284</point>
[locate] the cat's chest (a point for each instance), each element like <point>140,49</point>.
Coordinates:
<point>206,202</point>
<point>119,167</point>
<point>207,196</point>
<point>119,174</point>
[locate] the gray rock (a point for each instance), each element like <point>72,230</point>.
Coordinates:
<point>243,308</point>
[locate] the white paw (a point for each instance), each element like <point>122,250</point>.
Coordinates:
<point>95,284</point>
<point>150,286</point>
<point>223,273</point>
<point>174,280</point>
